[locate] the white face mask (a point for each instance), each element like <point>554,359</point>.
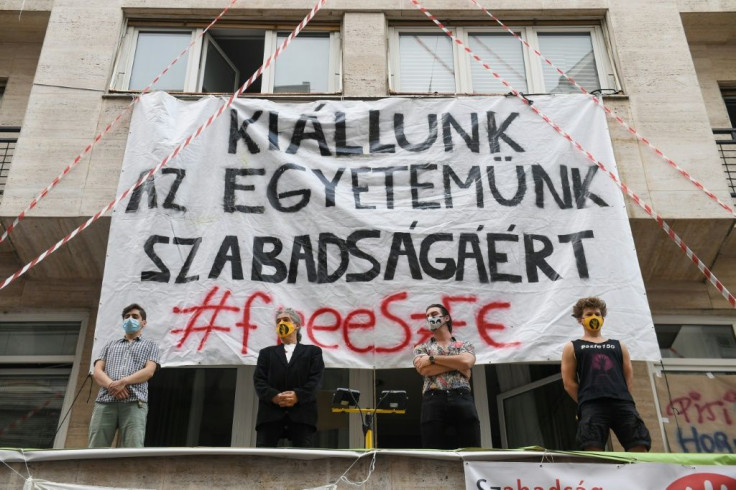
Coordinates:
<point>434,322</point>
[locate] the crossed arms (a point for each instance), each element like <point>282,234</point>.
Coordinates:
<point>444,364</point>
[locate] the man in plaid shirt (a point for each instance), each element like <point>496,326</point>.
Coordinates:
<point>122,370</point>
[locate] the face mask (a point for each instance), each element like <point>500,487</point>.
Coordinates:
<point>593,323</point>
<point>434,322</point>
<point>285,328</point>
<point>131,325</point>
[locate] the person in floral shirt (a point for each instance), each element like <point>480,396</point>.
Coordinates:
<point>447,399</point>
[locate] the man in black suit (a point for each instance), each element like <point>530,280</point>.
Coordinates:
<point>287,379</point>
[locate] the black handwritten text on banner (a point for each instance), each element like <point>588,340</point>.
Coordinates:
<point>360,214</point>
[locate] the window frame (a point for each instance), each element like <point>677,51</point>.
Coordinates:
<point>334,71</point>
<point>526,388</point>
<point>686,365</point>
<point>76,360</point>
<point>120,81</point>
<point>532,63</point>
<point>209,42</point>
<point>695,363</point>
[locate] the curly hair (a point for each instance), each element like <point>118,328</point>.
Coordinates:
<point>589,302</point>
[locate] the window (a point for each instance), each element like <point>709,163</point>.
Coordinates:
<point>37,378</point>
<point>427,61</point>
<point>217,407</point>
<point>729,98</point>
<point>8,139</point>
<point>695,382</point>
<point>532,406</point>
<point>224,58</point>
<point>685,340</point>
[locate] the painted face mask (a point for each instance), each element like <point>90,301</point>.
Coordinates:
<point>434,322</point>
<point>593,323</point>
<point>131,325</point>
<point>285,328</point>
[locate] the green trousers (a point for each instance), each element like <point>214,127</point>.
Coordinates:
<point>129,417</point>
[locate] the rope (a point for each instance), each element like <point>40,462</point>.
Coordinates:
<point>280,49</point>
<point>646,207</point>
<point>618,119</point>
<point>344,478</point>
<point>109,127</point>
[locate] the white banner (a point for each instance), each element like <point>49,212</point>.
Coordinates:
<point>359,214</point>
<point>584,476</point>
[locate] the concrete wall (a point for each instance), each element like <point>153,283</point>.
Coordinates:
<point>67,105</point>
<point>668,81</point>
<point>243,471</point>
<point>712,39</point>
<point>17,68</point>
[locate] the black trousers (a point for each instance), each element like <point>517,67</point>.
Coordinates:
<point>449,419</point>
<point>300,435</point>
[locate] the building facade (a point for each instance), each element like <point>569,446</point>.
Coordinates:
<point>68,68</point>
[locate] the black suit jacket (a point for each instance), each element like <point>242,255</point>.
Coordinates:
<point>303,375</point>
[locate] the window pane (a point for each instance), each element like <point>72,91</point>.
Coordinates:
<point>191,407</point>
<point>304,67</point>
<point>504,55</point>
<point>426,63</point>
<point>30,408</point>
<point>332,428</point>
<point>244,48</point>
<point>543,416</point>
<point>153,53</point>
<point>696,341</point>
<point>573,54</point>
<point>38,339</point>
<point>397,430</point>
<point>219,76</point>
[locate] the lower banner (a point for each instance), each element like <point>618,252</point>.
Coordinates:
<point>584,476</point>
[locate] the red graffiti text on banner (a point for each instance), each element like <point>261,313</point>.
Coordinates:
<point>197,311</point>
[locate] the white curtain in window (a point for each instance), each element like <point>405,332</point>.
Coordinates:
<point>573,53</point>
<point>426,63</point>
<point>153,52</point>
<point>504,55</point>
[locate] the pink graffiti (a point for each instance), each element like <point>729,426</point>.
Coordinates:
<point>704,411</point>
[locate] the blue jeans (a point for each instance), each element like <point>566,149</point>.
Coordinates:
<point>129,417</point>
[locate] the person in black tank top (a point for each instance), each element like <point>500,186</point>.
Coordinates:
<point>597,374</point>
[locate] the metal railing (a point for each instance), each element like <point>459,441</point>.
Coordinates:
<point>726,142</point>
<point>8,139</point>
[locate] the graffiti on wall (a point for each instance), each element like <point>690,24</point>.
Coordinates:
<point>699,412</point>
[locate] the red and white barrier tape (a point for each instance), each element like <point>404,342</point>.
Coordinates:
<point>30,414</point>
<point>646,207</point>
<point>280,49</point>
<point>109,127</point>
<point>608,111</point>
